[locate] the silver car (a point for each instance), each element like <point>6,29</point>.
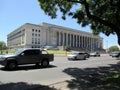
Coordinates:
<point>95,54</point>
<point>76,56</point>
<point>115,54</point>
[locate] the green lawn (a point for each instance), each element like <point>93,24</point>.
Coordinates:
<point>49,51</point>
<point>58,52</point>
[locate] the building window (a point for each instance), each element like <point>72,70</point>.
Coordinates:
<point>23,30</point>
<point>33,30</point>
<point>32,34</point>
<point>32,40</point>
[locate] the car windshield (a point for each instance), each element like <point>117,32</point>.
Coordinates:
<point>19,51</point>
<point>75,53</point>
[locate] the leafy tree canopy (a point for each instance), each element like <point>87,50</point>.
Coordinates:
<point>114,48</point>
<point>2,45</point>
<point>102,15</point>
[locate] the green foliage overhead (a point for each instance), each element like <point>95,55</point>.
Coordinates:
<point>101,15</point>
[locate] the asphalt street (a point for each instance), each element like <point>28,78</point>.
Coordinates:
<point>58,70</point>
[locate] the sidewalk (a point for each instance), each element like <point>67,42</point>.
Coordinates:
<point>60,86</point>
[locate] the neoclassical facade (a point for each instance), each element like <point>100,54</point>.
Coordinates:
<point>36,36</point>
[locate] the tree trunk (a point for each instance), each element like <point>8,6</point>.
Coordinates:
<point>118,39</point>
<point>118,36</point>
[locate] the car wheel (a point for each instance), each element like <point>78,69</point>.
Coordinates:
<point>11,65</point>
<point>45,63</point>
<point>75,58</point>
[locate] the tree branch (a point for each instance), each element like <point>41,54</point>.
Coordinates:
<point>98,19</point>
<point>75,1</point>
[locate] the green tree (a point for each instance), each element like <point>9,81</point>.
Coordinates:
<point>101,15</point>
<point>113,48</point>
<point>2,46</point>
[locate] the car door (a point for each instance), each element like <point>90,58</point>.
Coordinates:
<point>28,57</point>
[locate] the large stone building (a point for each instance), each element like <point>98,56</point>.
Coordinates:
<point>36,36</point>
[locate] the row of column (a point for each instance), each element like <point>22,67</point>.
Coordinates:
<point>78,41</point>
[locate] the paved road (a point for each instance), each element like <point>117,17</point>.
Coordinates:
<point>56,72</point>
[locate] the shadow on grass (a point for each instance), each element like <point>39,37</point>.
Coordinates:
<point>94,78</point>
<point>28,67</point>
<point>24,86</point>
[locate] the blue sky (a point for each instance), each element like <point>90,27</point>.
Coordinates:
<point>14,13</point>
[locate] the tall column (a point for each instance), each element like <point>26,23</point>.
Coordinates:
<point>92,44</point>
<point>89,42</point>
<point>63,39</point>
<point>80,41</point>
<point>70,40</point>
<point>66,38</point>
<point>83,41</point>
<point>59,39</point>
<point>76,41</point>
<point>73,40</point>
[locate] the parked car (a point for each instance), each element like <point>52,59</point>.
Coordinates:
<point>115,54</point>
<point>95,54</point>
<point>86,54</point>
<point>76,56</point>
<point>26,56</point>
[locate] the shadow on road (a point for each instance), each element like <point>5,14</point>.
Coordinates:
<point>92,78</point>
<point>28,67</point>
<point>24,86</point>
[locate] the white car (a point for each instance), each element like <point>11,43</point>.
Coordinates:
<point>115,54</point>
<point>76,56</point>
<point>95,54</point>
